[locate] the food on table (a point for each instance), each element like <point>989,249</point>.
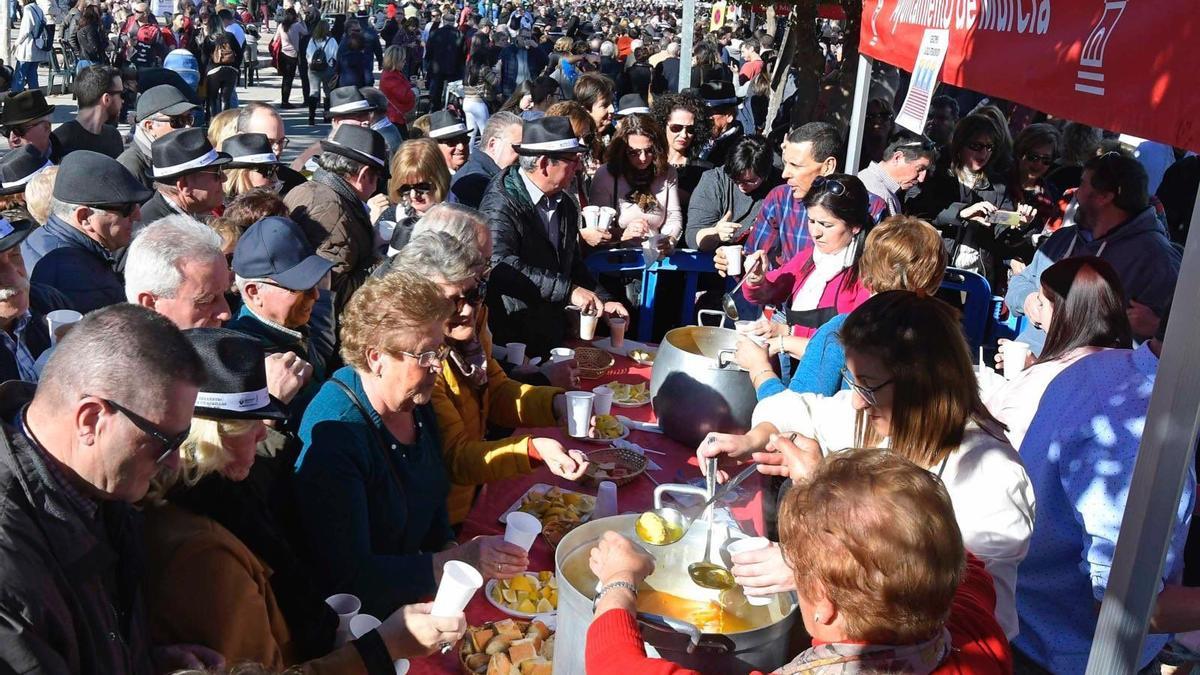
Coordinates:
<point>629,394</point>
<point>654,529</point>
<point>559,510</point>
<point>508,647</point>
<point>608,471</point>
<point>527,593</point>
<point>642,355</point>
<point>608,427</point>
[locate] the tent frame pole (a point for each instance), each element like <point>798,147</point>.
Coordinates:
<point>686,38</point>
<point>858,114</point>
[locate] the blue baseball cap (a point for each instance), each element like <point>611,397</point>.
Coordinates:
<point>275,248</point>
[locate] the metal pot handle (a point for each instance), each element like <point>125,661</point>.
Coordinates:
<point>714,312</point>
<point>667,624</point>
<point>722,361</point>
<point>678,488</point>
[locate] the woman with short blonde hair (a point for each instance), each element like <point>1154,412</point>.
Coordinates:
<point>419,176</point>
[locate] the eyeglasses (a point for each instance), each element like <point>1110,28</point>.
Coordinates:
<point>419,189</point>
<point>1040,159</point>
<point>981,147</point>
<point>867,393</point>
<point>475,296</point>
<point>430,358</point>
<point>278,145</point>
<point>641,152</point>
<point>689,129</point>
<point>115,93</point>
<point>24,128</point>
<point>171,444</point>
<point>454,140</point>
<point>834,186</point>
<point>879,116</point>
<point>123,210</point>
<point>268,282</point>
<point>176,121</point>
<point>269,171</point>
<point>219,173</point>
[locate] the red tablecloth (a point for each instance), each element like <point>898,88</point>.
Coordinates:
<point>678,466</point>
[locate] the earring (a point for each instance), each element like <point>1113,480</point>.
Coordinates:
<point>816,618</point>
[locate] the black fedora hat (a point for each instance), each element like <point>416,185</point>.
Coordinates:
<point>27,106</point>
<point>718,93</point>
<point>249,151</point>
<point>94,179</point>
<point>13,232</point>
<point>18,167</point>
<point>359,144</point>
<point>444,124</point>
<point>183,152</point>
<point>548,136</point>
<point>348,100</point>
<point>236,383</point>
<point>632,104</point>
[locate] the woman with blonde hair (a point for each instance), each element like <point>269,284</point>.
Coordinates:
<point>394,84</point>
<point>419,176</point>
<point>254,164</point>
<point>221,571</point>
<point>222,126</point>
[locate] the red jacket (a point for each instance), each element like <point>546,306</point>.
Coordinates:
<point>399,92</point>
<point>614,646</point>
<point>781,285</point>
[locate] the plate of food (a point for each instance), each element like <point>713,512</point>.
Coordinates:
<point>607,429</point>
<point>617,465</point>
<point>629,395</point>
<point>559,510</point>
<point>508,646</point>
<point>644,357</point>
<point>525,596</point>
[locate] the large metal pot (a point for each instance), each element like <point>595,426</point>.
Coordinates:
<point>695,386</point>
<point>763,646</point>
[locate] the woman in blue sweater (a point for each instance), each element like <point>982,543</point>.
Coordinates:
<point>369,484</point>
<point>901,253</point>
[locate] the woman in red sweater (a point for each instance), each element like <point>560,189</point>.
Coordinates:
<point>396,87</point>
<point>822,280</point>
<point>871,537</point>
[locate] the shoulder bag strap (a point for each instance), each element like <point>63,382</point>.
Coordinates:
<point>362,410</point>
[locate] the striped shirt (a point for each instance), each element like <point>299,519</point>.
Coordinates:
<point>781,228</point>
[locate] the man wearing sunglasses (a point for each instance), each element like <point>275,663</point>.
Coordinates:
<point>98,91</point>
<point>92,211</point>
<point>189,176</point>
<point>160,110</point>
<point>74,457</point>
<point>26,121</point>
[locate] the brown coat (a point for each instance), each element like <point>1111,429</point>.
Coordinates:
<point>206,587</point>
<point>340,230</point>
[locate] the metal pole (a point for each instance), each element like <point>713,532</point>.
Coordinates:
<point>1164,459</point>
<point>688,31</point>
<point>858,114</point>
<point>6,34</point>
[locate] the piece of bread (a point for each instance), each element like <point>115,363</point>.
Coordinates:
<point>480,638</point>
<point>538,628</point>
<point>522,650</point>
<point>546,651</point>
<point>509,629</point>
<point>538,666</point>
<point>500,665</point>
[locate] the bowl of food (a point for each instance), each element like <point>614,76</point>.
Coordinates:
<point>592,362</point>
<point>508,646</point>
<point>629,395</point>
<point>618,465</point>
<point>559,510</point>
<point>607,429</point>
<point>526,595</point>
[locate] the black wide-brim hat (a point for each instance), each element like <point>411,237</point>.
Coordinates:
<point>718,93</point>
<point>19,166</point>
<point>348,100</point>
<point>13,232</point>
<point>548,136</point>
<point>25,107</point>
<point>183,152</point>
<point>360,144</point>
<point>248,151</point>
<point>444,124</point>
<point>236,384</point>
<point>632,104</point>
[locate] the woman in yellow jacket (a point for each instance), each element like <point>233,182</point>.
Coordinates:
<point>473,390</point>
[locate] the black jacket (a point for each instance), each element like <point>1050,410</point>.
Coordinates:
<point>444,57</point>
<point>156,208</point>
<point>472,180</point>
<point>531,280</point>
<point>636,80</point>
<point>65,259</point>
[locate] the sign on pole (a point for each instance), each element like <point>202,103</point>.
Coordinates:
<point>925,76</point>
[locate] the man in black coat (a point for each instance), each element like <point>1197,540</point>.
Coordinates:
<point>537,267</point>
<point>444,60</point>
<point>496,152</point>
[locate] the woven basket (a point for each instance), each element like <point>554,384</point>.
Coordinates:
<point>592,362</point>
<point>627,459</point>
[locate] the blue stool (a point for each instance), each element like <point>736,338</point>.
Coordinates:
<point>692,264</point>
<point>977,303</point>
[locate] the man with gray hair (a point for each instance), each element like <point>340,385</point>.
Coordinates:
<point>175,267</point>
<point>113,407</point>
<point>497,144</point>
<point>92,212</point>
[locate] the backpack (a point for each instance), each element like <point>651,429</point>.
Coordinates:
<point>222,54</point>
<point>39,29</point>
<point>319,62</point>
<point>146,44</point>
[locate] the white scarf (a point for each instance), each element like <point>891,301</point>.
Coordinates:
<point>826,266</point>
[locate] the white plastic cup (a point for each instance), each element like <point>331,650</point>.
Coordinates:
<point>1015,353</point>
<point>602,404</point>
<point>522,529</point>
<point>591,217</point>
<point>606,500</point>
<point>362,624</point>
<point>616,329</point>
<point>560,354</point>
<point>459,583</point>
<point>402,666</point>
<point>733,260</point>
<point>346,606</point>
<point>579,407</point>
<point>516,353</point>
<point>650,248</point>
<point>58,321</point>
<point>746,545</point>
<point>744,326</point>
<point>607,215</point>
<point>587,326</point>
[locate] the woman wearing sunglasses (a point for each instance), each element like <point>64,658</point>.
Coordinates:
<point>822,280</point>
<point>640,185</point>
<point>1036,149</point>
<point>685,119</point>
<point>472,390</point>
<point>420,178</point>
<point>254,164</point>
<point>370,484</point>
<point>960,197</point>
<point>221,571</point>
<point>913,390</point>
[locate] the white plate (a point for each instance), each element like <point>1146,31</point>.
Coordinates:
<point>512,612</point>
<point>541,488</point>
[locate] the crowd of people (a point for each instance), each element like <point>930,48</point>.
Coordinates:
<point>278,380</point>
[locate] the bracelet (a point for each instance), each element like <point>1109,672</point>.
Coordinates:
<point>755,374</point>
<point>611,585</point>
<point>780,344</point>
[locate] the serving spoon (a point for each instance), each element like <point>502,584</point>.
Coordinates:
<point>705,573</point>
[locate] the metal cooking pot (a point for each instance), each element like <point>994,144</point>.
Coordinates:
<point>696,387</point>
<point>762,646</point>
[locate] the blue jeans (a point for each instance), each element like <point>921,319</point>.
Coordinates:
<point>25,75</point>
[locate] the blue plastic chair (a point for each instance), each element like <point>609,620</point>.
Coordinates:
<point>691,264</point>
<point>977,312</point>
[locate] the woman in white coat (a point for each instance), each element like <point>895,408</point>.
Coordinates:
<point>32,47</point>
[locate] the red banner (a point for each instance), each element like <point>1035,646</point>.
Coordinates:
<point>1121,65</point>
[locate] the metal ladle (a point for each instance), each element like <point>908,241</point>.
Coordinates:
<point>727,302</point>
<point>679,524</point>
<point>705,573</point>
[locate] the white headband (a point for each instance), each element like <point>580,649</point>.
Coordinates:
<point>262,158</point>
<point>552,146</point>
<point>446,132</point>
<point>197,163</point>
<point>641,110</point>
<point>21,181</point>
<point>236,402</point>
<point>353,106</point>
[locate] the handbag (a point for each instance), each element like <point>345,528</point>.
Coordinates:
<point>276,48</point>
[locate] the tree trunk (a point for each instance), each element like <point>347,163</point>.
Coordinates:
<point>807,60</point>
<point>840,90</point>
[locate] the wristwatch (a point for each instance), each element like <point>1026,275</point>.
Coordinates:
<point>608,587</point>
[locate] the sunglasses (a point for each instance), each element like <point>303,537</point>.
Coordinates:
<point>981,147</point>
<point>123,210</point>
<point>1039,159</point>
<point>832,185</point>
<point>923,142</point>
<point>641,152</point>
<point>430,358</point>
<point>682,128</point>
<point>475,296</point>
<point>278,145</point>
<point>268,172</point>
<point>879,116</point>
<point>176,122</point>
<point>867,393</point>
<point>171,443</point>
<point>419,189</point>
<point>24,128</point>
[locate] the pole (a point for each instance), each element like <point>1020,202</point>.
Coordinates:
<point>6,34</point>
<point>858,114</point>
<point>1164,459</point>
<point>688,34</point>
